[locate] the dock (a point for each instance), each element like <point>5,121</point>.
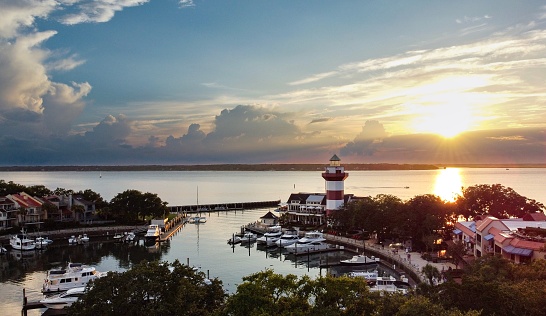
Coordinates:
<point>220,207</point>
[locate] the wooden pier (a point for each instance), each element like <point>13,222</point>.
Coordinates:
<point>220,207</point>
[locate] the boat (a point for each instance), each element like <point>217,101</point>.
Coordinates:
<point>311,236</point>
<point>270,237</point>
<point>73,240</point>
<point>359,260</point>
<point>65,299</point>
<point>84,238</point>
<point>234,240</point>
<point>370,276</point>
<point>308,247</point>
<point>152,232</point>
<point>248,237</point>
<point>289,237</point>
<point>202,219</point>
<point>3,250</point>
<point>130,236</point>
<point>22,242</point>
<point>118,237</point>
<point>391,285</point>
<point>74,275</point>
<point>40,243</point>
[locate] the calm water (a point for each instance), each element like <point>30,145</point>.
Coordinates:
<point>205,245</point>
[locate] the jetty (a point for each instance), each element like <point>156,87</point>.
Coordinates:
<point>220,207</point>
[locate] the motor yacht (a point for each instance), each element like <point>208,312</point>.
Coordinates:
<point>153,232</point>
<point>65,299</point>
<point>73,275</point>
<point>391,285</point>
<point>40,243</point>
<point>359,260</point>
<point>368,275</point>
<point>84,238</point>
<point>22,242</point>
<point>269,238</point>
<point>73,240</point>
<point>308,247</point>
<point>248,237</point>
<point>289,237</point>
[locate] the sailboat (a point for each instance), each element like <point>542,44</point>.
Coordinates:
<point>202,219</point>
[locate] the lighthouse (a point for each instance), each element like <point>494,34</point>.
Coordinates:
<point>334,175</point>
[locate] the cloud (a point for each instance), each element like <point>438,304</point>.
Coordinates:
<point>186,3</point>
<point>97,11</point>
<point>21,14</point>
<point>469,19</point>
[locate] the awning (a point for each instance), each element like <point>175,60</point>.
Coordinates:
<point>488,237</point>
<point>457,231</point>
<point>518,251</point>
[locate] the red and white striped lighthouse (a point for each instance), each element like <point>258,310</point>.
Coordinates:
<point>334,175</point>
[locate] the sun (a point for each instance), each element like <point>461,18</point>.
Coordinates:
<point>447,120</point>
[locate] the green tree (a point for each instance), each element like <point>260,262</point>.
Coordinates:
<point>152,288</point>
<point>10,187</point>
<point>495,200</point>
<point>456,250</point>
<point>426,217</point>
<point>38,191</point>
<point>133,205</point>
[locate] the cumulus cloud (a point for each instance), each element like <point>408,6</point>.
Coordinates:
<point>366,142</point>
<point>110,129</point>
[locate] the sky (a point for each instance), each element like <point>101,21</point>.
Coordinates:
<point>106,82</point>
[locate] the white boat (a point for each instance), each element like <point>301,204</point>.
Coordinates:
<point>308,247</point>
<point>62,300</point>
<point>22,242</point>
<point>130,237</point>
<point>359,260</point>
<point>391,285</point>
<point>368,275</point>
<point>84,238</point>
<point>202,219</point>
<point>289,237</point>
<point>118,237</point>
<point>269,238</point>
<point>234,240</point>
<point>248,237</point>
<point>73,240</point>
<point>40,243</point>
<point>74,275</point>
<point>153,232</point>
<point>3,250</point>
<point>311,236</point>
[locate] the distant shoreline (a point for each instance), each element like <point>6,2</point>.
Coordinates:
<point>263,167</point>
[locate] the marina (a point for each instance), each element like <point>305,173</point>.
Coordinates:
<point>201,245</point>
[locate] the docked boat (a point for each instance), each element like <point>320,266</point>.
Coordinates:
<point>308,247</point>
<point>65,299</point>
<point>391,285</point>
<point>84,238</point>
<point>359,260</point>
<point>370,276</point>
<point>74,275</point>
<point>270,237</point>
<point>40,243</point>
<point>3,250</point>
<point>130,237</point>
<point>153,232</point>
<point>289,237</point>
<point>248,237</point>
<point>118,237</point>
<point>22,242</point>
<point>234,240</point>
<point>73,240</point>
<point>311,237</point>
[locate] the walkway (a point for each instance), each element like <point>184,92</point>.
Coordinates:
<point>402,261</point>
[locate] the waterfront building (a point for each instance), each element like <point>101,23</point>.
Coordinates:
<point>519,240</point>
<point>33,212</point>
<point>8,213</point>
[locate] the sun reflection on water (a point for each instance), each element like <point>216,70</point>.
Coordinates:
<point>448,184</point>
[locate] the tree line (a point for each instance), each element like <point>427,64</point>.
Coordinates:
<point>424,219</point>
<point>490,286</point>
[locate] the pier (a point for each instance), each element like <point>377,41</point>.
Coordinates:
<point>219,207</point>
